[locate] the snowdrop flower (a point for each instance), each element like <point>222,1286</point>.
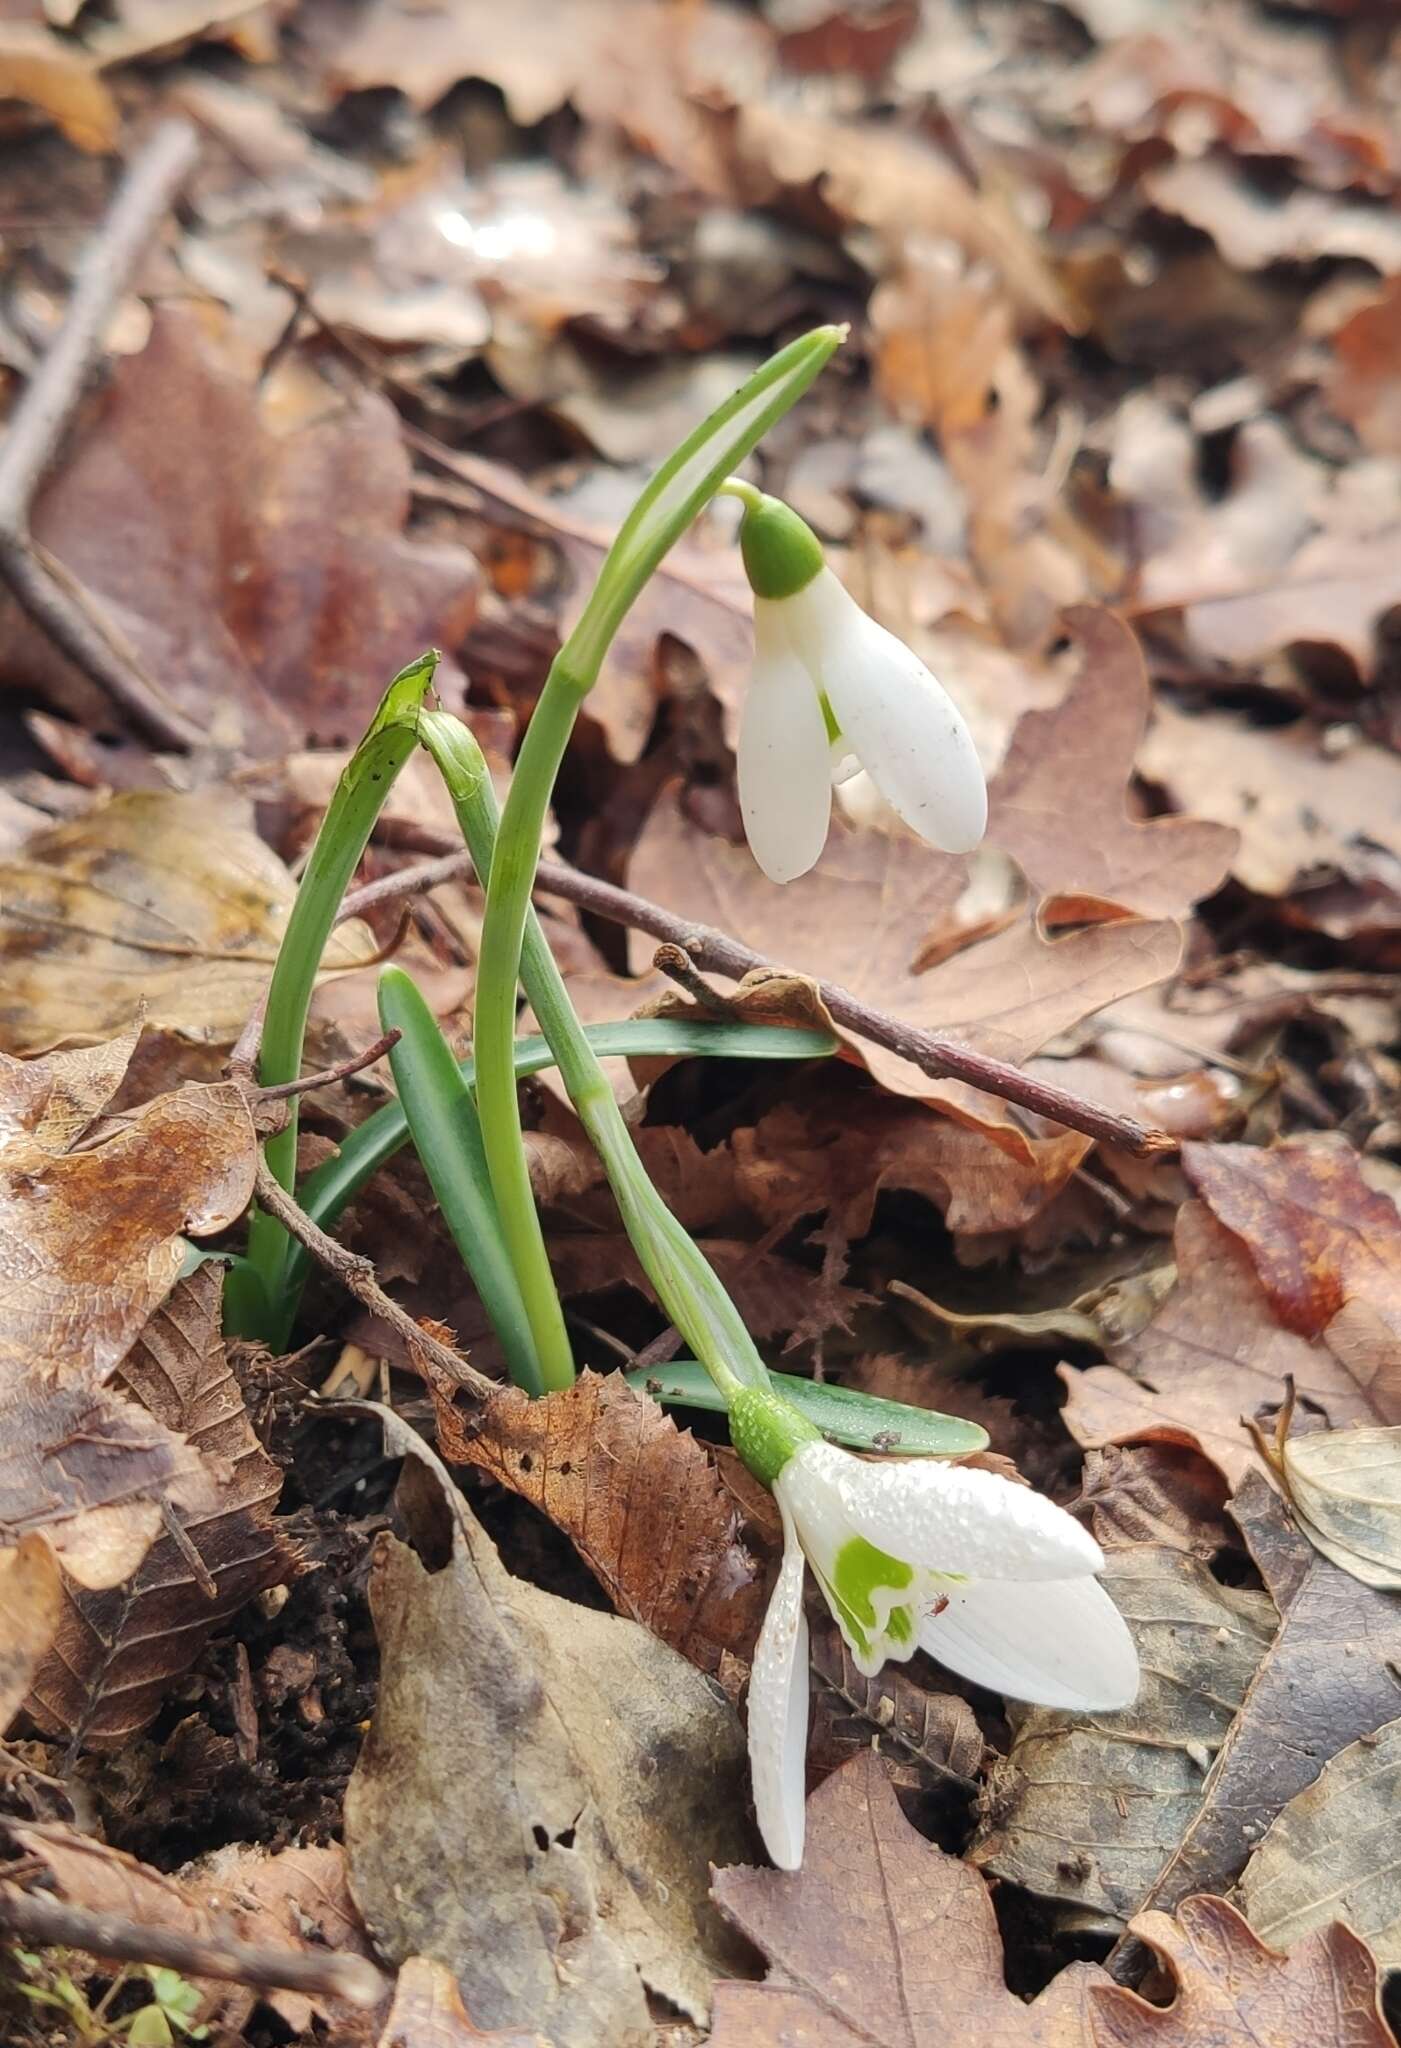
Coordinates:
<point>993,1580</point>
<point>833,691</point>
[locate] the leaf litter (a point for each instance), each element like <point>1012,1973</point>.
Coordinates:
<point>1114,446</point>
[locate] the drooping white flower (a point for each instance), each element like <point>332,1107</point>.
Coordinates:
<point>990,1578</point>
<point>831,690</point>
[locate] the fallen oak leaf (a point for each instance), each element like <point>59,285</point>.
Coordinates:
<point>883,1941</point>
<point>428,2012</point>
<point>507,1814</point>
<point>641,1501</point>
<point>158,906</point>
<point>1159,867</point>
<point>1083,1804</point>
<point>119,1650</point>
<point>1330,1853</point>
<point>1327,1679</point>
<point>277,582</point>
<point>31,1597</point>
<point>869,910</point>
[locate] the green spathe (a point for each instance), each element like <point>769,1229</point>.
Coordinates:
<point>781,552</point>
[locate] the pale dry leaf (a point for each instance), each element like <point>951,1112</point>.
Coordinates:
<point>297,1896</point>
<point>1084,1804</point>
<point>428,2012</point>
<point>1251,230</point>
<point>1331,1853</point>
<point>156,906</point>
<point>870,909</point>
<point>91,1237</point>
<point>640,1499</point>
<point>61,80</point>
<point>540,1788</point>
<point>31,1596</point>
<point>278,591</point>
<point>1345,1487</point>
<point>1326,1679</point>
<point>1214,1353</point>
<point>119,1651</point>
<point>1091,852</point>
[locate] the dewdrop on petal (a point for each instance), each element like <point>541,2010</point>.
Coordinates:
<point>832,691</point>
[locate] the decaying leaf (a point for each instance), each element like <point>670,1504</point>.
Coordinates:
<point>1084,1805</point>
<point>90,1233</point>
<point>540,1791</point>
<point>30,1599</point>
<point>1156,1493</point>
<point>1215,1353</point>
<point>871,908</point>
<point>155,905</point>
<point>296,1896</point>
<point>428,2013</point>
<point>278,592</point>
<point>1155,868</point>
<point>927,1738</point>
<point>44,71</point>
<point>640,1499</point>
<point>1327,1679</point>
<point>1344,1486</point>
<point>1331,1853</point>
<point>118,1651</point>
<point>882,1941</point>
<point>88,1873</point>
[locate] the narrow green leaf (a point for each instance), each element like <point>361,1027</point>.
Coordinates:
<point>864,1421</point>
<point>325,1193</point>
<point>447,1134</point>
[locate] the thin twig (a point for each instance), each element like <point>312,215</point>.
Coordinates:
<point>357,1276</point>
<point>353,1065</point>
<point>242,1063</point>
<point>717,953</point>
<point>407,882</point>
<point>68,613</point>
<point>48,1923</point>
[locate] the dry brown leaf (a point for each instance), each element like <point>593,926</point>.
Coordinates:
<point>1327,1679</point>
<point>60,79</point>
<point>157,907</point>
<point>641,1501</point>
<point>1331,1853</point>
<point>90,1238</point>
<point>119,1651</point>
<point>1156,1493</point>
<point>1344,1486</point>
<point>1084,1804</point>
<point>1252,231</point>
<point>540,1788</point>
<point>1327,1247</point>
<point>30,1600</point>
<point>1297,809</point>
<point>1363,386</point>
<point>927,1738</point>
<point>869,909</point>
<point>882,1941</point>
<point>428,2013</point>
<point>1215,1352</point>
<point>299,1897</point>
<point>1088,743</point>
<point>278,592</point>
<point>297,1904</point>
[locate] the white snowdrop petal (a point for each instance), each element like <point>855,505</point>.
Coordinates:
<point>901,723</point>
<point>778,1711</point>
<point>1062,1644</point>
<point>957,1518</point>
<point>784,773</point>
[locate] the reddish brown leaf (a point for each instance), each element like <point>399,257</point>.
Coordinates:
<point>1215,1352</point>
<point>428,2013</point>
<point>277,586</point>
<point>1363,387</point>
<point>119,1651</point>
<point>640,1499</point>
<point>1157,868</point>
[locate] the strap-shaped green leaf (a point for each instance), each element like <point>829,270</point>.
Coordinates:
<point>864,1421</point>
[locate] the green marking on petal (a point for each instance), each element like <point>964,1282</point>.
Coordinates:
<point>861,1570</point>
<point>900,1624</point>
<point>829,718</point>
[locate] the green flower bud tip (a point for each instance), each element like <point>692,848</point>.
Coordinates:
<point>781,552</point>
<point>766,1430</point>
